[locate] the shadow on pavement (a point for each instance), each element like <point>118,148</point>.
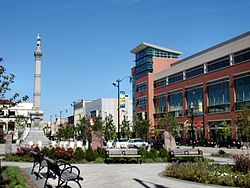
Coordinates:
<point>143,183</point>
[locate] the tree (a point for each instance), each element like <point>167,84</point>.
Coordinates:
<point>5,80</point>
<point>141,128</point>
<point>83,129</point>
<point>97,126</point>
<point>109,131</point>
<point>243,124</point>
<point>125,129</point>
<point>225,129</point>
<point>168,123</point>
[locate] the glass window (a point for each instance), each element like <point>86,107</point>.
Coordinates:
<point>160,102</point>
<point>242,56</point>
<point>176,103</point>
<point>195,71</point>
<point>141,87</point>
<point>218,96</point>
<point>195,96</point>
<point>175,78</point>
<point>218,64</point>
<point>242,90</point>
<point>160,83</point>
<point>142,101</point>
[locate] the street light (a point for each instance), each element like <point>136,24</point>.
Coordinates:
<point>192,122</point>
<point>118,96</point>
<point>61,115</point>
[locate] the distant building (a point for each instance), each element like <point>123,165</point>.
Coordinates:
<point>215,81</point>
<point>101,108</point>
<point>8,115</point>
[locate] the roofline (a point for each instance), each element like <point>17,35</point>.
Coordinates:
<point>144,45</point>
<point>213,48</point>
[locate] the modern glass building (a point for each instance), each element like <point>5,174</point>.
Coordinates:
<point>215,81</point>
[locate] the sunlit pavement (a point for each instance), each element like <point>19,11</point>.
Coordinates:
<point>121,176</point>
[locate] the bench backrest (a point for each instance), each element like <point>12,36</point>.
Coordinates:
<point>53,166</point>
<point>121,151</point>
<point>37,157</point>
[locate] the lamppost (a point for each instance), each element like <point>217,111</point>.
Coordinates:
<point>61,115</point>
<point>118,97</point>
<point>192,122</point>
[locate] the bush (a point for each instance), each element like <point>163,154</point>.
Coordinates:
<point>79,154</point>
<point>99,160</point>
<point>208,173</point>
<point>163,153</point>
<point>90,155</point>
<point>242,162</point>
<point>13,177</point>
<point>153,154</point>
<point>101,152</point>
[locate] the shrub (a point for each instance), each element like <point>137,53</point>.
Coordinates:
<point>101,152</point>
<point>90,155</point>
<point>99,160</point>
<point>163,153</point>
<point>13,177</point>
<point>208,173</point>
<point>79,154</point>
<point>242,162</point>
<point>144,153</point>
<point>153,154</point>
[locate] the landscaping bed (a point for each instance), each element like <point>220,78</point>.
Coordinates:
<point>205,172</point>
<point>13,177</point>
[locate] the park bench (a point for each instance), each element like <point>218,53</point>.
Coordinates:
<point>186,153</point>
<point>38,161</point>
<point>123,153</point>
<point>63,171</point>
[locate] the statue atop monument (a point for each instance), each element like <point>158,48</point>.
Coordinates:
<point>37,113</point>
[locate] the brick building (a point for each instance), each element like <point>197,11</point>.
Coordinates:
<point>216,82</point>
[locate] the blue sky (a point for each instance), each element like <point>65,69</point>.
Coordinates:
<point>86,43</point>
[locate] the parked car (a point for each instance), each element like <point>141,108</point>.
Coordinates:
<point>121,143</point>
<point>230,143</point>
<point>136,143</point>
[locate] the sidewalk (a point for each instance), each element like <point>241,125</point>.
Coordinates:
<point>121,175</point>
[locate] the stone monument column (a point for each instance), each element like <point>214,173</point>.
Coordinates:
<point>37,113</point>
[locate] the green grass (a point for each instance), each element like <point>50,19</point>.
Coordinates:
<point>12,176</point>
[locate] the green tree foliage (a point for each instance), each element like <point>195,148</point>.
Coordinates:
<point>109,131</point>
<point>125,129</point>
<point>226,131</point>
<point>97,125</point>
<point>168,123</point>
<point>65,132</point>
<point>243,124</point>
<point>140,129</point>
<point>83,127</point>
<point>6,79</point>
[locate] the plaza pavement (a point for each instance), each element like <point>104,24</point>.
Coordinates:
<point>120,176</point>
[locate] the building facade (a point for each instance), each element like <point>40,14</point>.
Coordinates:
<point>101,108</point>
<point>9,114</point>
<point>214,81</point>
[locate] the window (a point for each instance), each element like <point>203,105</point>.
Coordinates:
<point>176,103</point>
<point>242,56</point>
<point>218,96</point>
<point>195,71</point>
<point>218,64</point>
<point>141,87</point>
<point>175,78</point>
<point>143,67</point>
<point>160,102</point>
<point>141,101</point>
<point>242,90</point>
<point>160,83</point>
<point>195,96</point>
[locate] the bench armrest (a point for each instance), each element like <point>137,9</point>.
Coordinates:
<point>63,164</point>
<point>72,169</point>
